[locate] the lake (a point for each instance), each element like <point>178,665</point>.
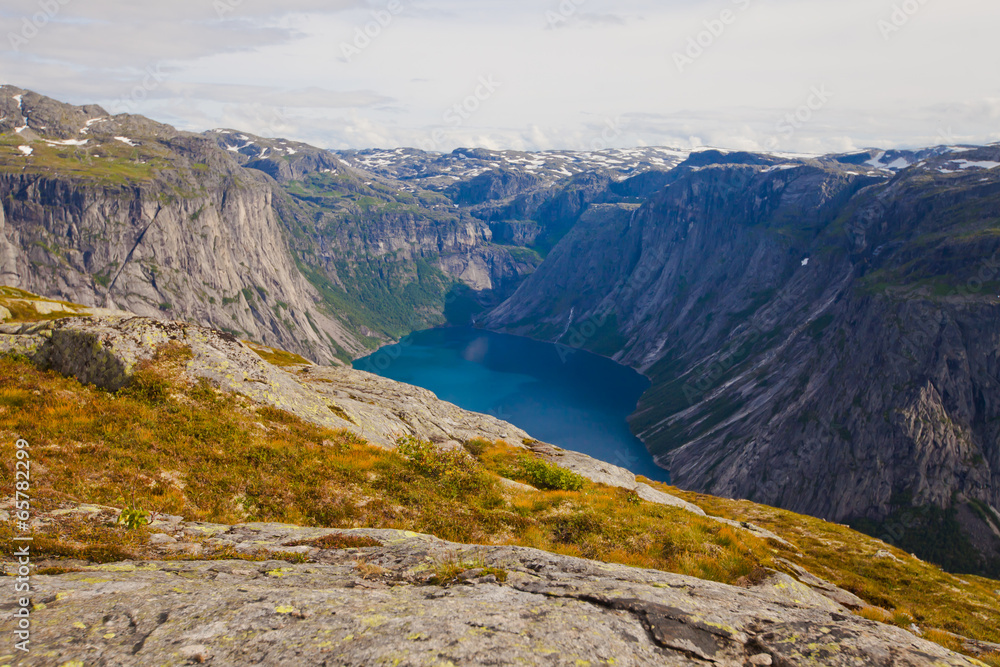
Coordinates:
<point>569,398</point>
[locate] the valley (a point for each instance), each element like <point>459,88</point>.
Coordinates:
<point>820,333</point>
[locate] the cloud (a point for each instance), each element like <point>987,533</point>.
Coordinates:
<point>241,65</point>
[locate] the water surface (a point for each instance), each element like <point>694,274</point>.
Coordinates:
<point>569,398</point>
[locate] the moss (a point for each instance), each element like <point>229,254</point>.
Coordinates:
<point>276,357</point>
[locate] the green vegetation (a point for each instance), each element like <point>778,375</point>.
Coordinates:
<point>521,466</point>
<point>279,358</point>
<point>117,165</point>
<point>932,532</point>
<point>454,569</point>
<point>23,309</point>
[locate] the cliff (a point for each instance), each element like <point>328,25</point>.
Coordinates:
<point>821,335</point>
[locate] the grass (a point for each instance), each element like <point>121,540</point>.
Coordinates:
<point>239,462</point>
<point>454,569</point>
<point>521,466</point>
<point>191,450</point>
<point>278,358</point>
<point>116,166</point>
<point>18,302</point>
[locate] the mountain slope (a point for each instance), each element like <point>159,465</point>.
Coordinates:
<point>822,335</point>
<point>188,422</point>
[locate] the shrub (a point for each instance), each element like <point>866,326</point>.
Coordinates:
<point>543,475</point>
<point>459,474</point>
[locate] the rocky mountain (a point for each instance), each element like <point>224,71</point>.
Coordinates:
<point>820,331</point>
<point>271,240</point>
<point>822,334</point>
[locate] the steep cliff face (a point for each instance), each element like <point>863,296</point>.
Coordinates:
<point>820,336</point>
<point>132,214</point>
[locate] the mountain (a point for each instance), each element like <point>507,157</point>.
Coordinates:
<point>821,334</point>
<point>325,254</point>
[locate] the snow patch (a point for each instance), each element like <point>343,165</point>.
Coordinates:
<point>67,142</point>
<point>970,164</point>
<point>90,123</point>
<point>780,167</point>
<point>126,140</point>
<point>27,150</point>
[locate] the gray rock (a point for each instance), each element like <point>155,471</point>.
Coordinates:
<point>650,494</point>
<point>551,610</point>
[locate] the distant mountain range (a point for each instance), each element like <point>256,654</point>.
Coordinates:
<point>822,333</point>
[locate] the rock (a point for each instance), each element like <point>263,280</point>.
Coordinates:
<point>551,608</point>
<point>161,538</point>
<point>761,659</point>
<point>185,548</point>
<point>650,494</point>
<point>516,486</point>
<point>196,653</point>
<point>825,588</point>
<point>882,553</point>
<point>591,468</point>
<point>4,314</point>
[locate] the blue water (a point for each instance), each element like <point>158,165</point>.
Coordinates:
<point>572,399</point>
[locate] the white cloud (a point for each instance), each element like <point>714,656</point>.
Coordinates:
<point>930,80</point>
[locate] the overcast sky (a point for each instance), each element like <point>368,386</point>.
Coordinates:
<point>527,74</point>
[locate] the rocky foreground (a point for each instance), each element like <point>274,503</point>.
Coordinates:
<point>412,599</point>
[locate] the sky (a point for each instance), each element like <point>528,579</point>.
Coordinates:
<point>813,76</point>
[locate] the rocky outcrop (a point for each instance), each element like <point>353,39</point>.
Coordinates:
<point>390,604</point>
<point>106,349</point>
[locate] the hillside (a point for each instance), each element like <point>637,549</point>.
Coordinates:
<point>219,439</point>
<point>821,334</point>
